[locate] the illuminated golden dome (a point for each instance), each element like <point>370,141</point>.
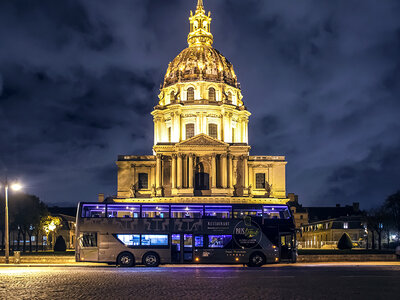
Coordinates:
<point>200,62</point>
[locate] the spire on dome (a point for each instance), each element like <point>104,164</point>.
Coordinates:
<point>200,5</point>
<point>200,27</point>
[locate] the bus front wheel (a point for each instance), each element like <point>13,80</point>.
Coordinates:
<point>151,259</point>
<point>125,259</point>
<point>256,260</point>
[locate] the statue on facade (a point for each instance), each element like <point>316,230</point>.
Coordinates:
<point>132,191</point>
<point>268,188</point>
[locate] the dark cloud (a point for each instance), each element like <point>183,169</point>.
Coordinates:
<point>78,80</point>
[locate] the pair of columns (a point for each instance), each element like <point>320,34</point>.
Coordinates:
<point>178,169</point>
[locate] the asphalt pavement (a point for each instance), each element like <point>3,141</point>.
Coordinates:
<point>299,281</point>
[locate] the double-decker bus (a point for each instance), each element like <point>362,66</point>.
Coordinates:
<point>129,234</point>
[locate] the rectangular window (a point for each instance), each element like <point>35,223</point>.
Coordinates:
<point>189,131</point>
<point>88,240</point>
<point>276,212</point>
<point>219,241</point>
<point>260,181</point>
<point>198,241</point>
<point>94,211</point>
<point>155,211</point>
<point>123,211</point>
<point>345,225</point>
<point>187,211</point>
<point>143,181</point>
<point>218,211</point>
<point>154,240</point>
<point>255,211</point>
<point>213,130</point>
<point>129,239</point>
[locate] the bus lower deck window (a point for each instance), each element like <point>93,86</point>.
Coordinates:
<point>89,239</point>
<point>198,241</point>
<point>154,240</point>
<point>219,241</point>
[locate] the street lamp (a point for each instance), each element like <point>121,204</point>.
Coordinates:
<point>15,187</point>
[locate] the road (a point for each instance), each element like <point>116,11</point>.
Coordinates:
<point>304,281</point>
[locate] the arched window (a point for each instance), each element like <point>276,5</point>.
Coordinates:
<point>230,96</point>
<point>213,130</point>
<point>190,94</point>
<point>172,96</point>
<point>211,94</point>
<point>189,131</point>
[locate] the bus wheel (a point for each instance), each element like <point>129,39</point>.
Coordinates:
<point>256,260</point>
<point>151,259</point>
<point>125,259</point>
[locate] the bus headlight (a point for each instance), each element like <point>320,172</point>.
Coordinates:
<point>197,259</point>
<point>237,258</point>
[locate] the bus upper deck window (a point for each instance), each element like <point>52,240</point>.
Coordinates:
<point>218,211</point>
<point>155,211</point>
<point>187,211</point>
<point>93,211</point>
<point>123,211</point>
<point>276,212</point>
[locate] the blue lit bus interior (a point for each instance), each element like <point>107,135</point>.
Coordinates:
<point>183,211</point>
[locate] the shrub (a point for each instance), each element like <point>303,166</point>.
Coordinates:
<point>345,242</point>
<point>60,244</point>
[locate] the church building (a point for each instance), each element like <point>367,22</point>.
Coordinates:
<point>201,142</point>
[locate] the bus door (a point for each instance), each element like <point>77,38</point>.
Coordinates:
<point>287,246</point>
<point>182,248</point>
<point>89,250</point>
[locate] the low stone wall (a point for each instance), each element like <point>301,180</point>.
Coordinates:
<point>346,257</point>
<point>36,259</point>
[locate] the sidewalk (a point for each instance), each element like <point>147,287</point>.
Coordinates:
<point>102,265</point>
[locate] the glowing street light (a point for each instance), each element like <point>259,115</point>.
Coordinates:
<point>15,187</point>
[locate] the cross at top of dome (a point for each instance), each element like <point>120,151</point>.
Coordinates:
<point>200,27</point>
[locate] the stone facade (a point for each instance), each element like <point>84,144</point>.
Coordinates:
<point>201,150</point>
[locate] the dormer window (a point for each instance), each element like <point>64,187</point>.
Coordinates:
<point>230,96</point>
<point>190,94</point>
<point>172,96</point>
<point>211,94</point>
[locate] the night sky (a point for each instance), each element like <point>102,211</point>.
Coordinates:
<point>78,80</point>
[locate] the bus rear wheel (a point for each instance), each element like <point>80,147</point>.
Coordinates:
<point>256,260</point>
<point>151,259</point>
<point>125,259</point>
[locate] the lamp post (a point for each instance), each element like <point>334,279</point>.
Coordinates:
<point>15,187</point>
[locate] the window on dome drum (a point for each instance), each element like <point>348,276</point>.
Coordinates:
<point>230,96</point>
<point>211,94</point>
<point>189,131</point>
<point>172,96</point>
<point>143,181</point>
<point>213,130</point>
<point>169,134</point>
<point>190,94</point>
<point>260,181</point>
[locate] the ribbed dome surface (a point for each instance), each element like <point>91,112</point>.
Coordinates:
<point>200,63</point>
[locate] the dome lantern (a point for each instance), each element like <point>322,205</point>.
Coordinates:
<point>200,27</point>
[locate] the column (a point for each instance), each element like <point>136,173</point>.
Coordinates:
<point>223,171</point>
<point>213,171</point>
<point>173,171</point>
<point>234,171</point>
<point>179,171</point>
<point>246,171</point>
<point>191,157</point>
<point>230,171</point>
<point>158,171</point>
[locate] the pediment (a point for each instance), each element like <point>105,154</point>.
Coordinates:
<point>202,140</point>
